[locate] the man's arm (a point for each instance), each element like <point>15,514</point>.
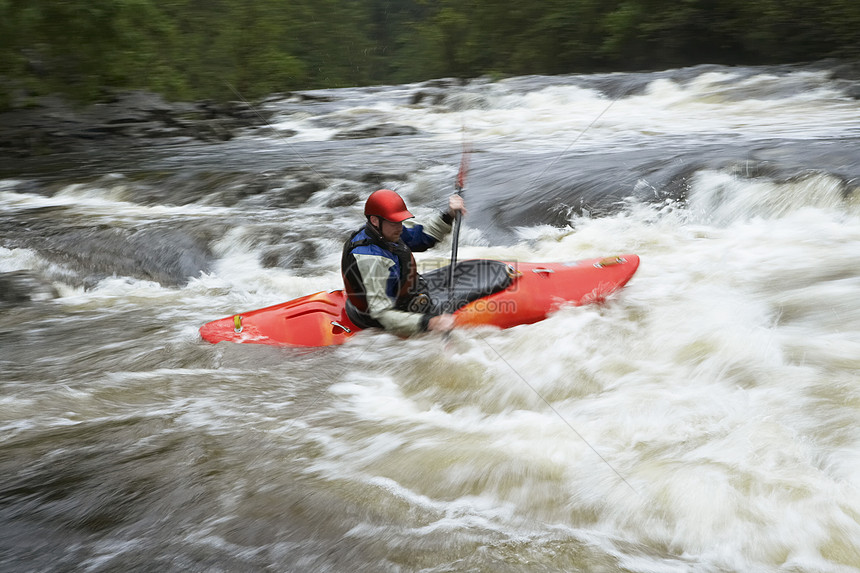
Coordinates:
<point>421,237</point>
<point>375,273</point>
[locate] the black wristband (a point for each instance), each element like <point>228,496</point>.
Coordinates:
<point>447,218</point>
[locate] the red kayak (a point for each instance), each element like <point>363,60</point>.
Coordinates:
<point>484,292</point>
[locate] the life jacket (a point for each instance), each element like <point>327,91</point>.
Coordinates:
<point>405,276</point>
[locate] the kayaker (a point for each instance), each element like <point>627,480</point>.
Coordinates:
<point>382,284</point>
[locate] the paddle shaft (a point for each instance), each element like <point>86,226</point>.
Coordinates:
<point>455,240</point>
<point>459,185</point>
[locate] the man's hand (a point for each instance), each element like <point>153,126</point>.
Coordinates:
<point>441,323</point>
<point>456,204</point>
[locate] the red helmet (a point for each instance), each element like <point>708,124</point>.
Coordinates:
<point>388,205</point>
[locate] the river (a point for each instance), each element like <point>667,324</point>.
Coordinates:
<point>704,418</point>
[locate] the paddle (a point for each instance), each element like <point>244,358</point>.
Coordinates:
<point>459,186</point>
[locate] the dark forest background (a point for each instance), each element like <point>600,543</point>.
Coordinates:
<point>213,49</point>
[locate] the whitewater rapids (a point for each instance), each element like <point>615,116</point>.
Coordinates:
<point>705,418</point>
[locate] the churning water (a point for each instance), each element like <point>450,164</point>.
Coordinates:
<point>705,418</point>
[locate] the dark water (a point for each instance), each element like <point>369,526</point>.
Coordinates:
<point>704,419</point>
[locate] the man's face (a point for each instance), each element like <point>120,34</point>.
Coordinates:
<point>390,231</point>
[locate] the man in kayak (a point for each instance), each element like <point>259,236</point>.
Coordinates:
<point>379,274</point>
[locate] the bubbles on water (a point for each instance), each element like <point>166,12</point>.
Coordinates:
<point>707,383</point>
<point>110,188</point>
<point>703,418</point>
<point>721,198</point>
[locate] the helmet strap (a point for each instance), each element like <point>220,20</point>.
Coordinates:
<point>378,227</point>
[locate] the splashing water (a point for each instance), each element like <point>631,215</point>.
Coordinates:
<point>705,418</point>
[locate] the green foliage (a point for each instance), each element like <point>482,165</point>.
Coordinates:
<point>192,49</point>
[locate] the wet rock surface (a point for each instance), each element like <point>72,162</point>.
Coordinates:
<point>53,125</point>
<point>21,287</point>
<point>246,181</point>
<point>88,251</point>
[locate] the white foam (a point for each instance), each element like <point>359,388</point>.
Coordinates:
<point>704,418</point>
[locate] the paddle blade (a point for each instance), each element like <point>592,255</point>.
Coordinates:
<point>464,168</point>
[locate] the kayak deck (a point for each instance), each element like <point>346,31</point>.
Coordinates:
<point>314,320</point>
<point>542,289</point>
